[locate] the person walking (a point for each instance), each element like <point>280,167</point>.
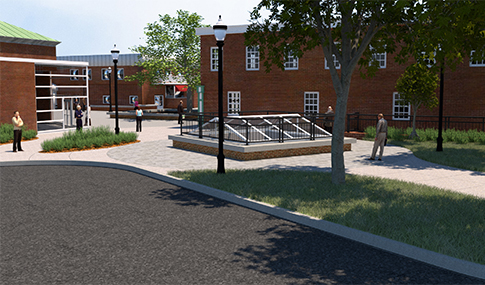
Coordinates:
<point>381,136</point>
<point>17,131</point>
<point>139,118</point>
<point>79,118</point>
<point>329,115</point>
<point>180,110</point>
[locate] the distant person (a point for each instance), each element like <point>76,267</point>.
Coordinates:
<point>139,118</point>
<point>136,104</point>
<point>17,131</point>
<point>180,110</point>
<point>79,118</point>
<point>329,115</point>
<point>381,136</point>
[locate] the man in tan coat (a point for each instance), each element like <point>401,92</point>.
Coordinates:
<point>17,131</point>
<point>381,136</point>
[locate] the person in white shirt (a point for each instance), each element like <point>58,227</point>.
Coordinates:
<point>17,131</point>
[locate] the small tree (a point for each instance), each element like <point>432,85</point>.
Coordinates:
<point>172,50</point>
<point>417,86</point>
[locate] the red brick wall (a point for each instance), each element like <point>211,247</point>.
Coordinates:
<point>17,92</point>
<point>27,51</point>
<point>464,91</point>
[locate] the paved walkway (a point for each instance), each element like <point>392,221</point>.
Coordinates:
<point>155,153</point>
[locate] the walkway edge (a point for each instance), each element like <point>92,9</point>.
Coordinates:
<point>423,255</point>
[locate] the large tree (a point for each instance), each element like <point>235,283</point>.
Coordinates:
<point>417,87</point>
<point>344,29</point>
<point>172,50</point>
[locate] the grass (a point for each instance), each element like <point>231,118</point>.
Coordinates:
<point>442,221</point>
<point>461,149</point>
<point>6,133</point>
<point>95,137</point>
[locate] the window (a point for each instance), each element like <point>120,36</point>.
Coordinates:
<point>105,73</point>
<point>74,72</point>
<point>214,59</point>
<point>335,62</point>
<point>399,110</point>
<point>89,74</point>
<point>133,98</point>
<point>476,62</point>
<point>105,99</point>
<point>252,58</point>
<point>292,62</point>
<point>121,74</point>
<point>380,58</point>
<point>175,91</point>
<point>234,102</point>
<point>311,102</point>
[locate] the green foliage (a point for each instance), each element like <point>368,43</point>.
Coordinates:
<point>172,48</point>
<point>97,137</point>
<point>417,86</point>
<point>431,134</point>
<point>6,133</point>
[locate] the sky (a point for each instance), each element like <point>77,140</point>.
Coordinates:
<point>91,27</point>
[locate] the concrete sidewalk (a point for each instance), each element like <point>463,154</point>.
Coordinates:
<point>155,153</point>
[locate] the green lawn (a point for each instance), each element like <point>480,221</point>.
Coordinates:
<point>469,156</point>
<point>428,217</point>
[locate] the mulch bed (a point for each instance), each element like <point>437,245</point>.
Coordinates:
<point>90,148</point>
<point>23,140</point>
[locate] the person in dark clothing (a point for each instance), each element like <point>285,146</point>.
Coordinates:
<point>180,110</point>
<point>79,118</point>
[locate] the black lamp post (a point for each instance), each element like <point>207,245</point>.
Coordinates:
<point>116,53</point>
<point>220,33</point>
<point>439,146</point>
<point>109,77</point>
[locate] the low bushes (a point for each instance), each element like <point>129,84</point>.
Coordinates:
<point>6,133</point>
<point>452,135</point>
<point>94,137</point>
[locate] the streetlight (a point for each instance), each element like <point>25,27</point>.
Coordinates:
<point>220,33</point>
<point>116,53</point>
<point>109,77</point>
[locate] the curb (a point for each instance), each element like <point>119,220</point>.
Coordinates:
<point>423,255</point>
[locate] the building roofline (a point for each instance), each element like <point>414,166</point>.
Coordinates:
<point>12,34</point>
<point>49,62</point>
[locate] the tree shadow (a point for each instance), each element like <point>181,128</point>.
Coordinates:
<point>186,198</point>
<point>304,255</point>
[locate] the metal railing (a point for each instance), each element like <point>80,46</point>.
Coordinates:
<point>263,127</point>
<point>359,122</point>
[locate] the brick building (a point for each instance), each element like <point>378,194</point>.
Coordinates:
<point>306,86</point>
<point>162,96</point>
<point>28,67</point>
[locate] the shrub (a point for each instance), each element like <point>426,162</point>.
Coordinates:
<point>370,132</point>
<point>395,134</point>
<point>6,133</point>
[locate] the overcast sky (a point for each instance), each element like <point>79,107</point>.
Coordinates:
<point>87,27</point>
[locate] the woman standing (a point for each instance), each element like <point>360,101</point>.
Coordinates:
<point>139,114</point>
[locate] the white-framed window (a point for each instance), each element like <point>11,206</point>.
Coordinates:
<point>476,62</point>
<point>311,102</point>
<point>105,99</point>
<point>105,73</point>
<point>233,102</point>
<point>74,72</point>
<point>252,58</point>
<point>89,74</point>
<point>380,58</point>
<point>133,98</point>
<point>400,111</point>
<point>292,62</point>
<point>121,74</point>
<point>335,62</point>
<point>214,58</point>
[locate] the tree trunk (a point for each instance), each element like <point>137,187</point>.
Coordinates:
<point>190,103</point>
<point>338,165</point>
<point>414,133</point>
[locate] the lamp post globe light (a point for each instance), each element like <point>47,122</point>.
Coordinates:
<point>116,53</point>
<point>220,34</point>
<point>109,78</point>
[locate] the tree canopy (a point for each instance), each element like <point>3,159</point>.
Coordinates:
<point>351,31</point>
<point>172,50</point>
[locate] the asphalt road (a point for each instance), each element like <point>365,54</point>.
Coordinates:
<point>91,225</point>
